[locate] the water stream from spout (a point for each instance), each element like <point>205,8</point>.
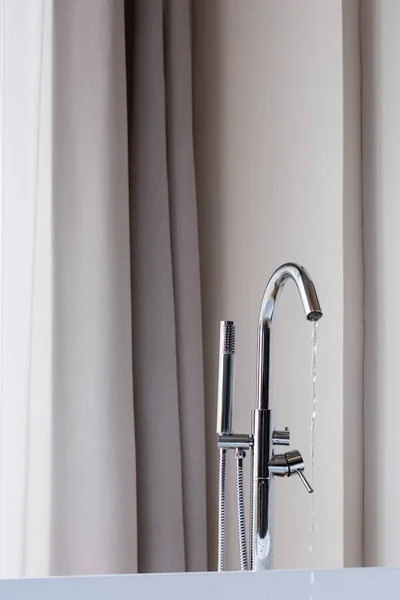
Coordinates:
<point>311,547</point>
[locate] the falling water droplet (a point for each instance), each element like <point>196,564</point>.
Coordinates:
<point>312,579</point>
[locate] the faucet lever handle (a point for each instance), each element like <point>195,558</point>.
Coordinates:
<point>305,482</point>
<point>295,464</point>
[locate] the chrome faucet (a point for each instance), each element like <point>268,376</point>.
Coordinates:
<point>266,464</point>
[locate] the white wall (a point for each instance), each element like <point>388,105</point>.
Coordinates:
<point>381,175</point>
<point>269,118</point>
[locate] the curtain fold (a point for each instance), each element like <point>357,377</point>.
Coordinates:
<point>166,317</point>
<point>93,445</point>
<point>21,30</point>
<point>102,447</point>
<point>186,276</point>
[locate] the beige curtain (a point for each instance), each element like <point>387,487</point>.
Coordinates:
<point>93,467</point>
<point>114,469</point>
<point>167,347</point>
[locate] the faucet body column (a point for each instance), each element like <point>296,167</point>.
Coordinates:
<point>265,465</point>
<point>262,492</point>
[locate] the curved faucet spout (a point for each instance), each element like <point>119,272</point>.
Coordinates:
<point>312,311</point>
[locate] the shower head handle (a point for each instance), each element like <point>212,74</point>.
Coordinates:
<point>226,377</point>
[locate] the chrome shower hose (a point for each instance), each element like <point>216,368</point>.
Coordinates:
<point>241,514</point>
<point>222,510</point>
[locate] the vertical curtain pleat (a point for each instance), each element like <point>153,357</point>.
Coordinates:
<point>167,363</point>
<point>159,470</point>
<point>186,276</point>
<point>93,466</point>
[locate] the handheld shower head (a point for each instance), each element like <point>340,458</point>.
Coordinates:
<point>226,377</point>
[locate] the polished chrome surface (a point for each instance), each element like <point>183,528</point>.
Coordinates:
<point>235,440</point>
<point>222,511</point>
<point>295,462</point>
<point>240,455</point>
<point>265,464</point>
<point>226,381</point>
<point>263,433</point>
<point>290,463</point>
<point>305,482</point>
<point>281,438</point>
<point>278,465</point>
<point>226,377</point>
<point>312,311</point>
<point>260,541</point>
<point>296,467</point>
